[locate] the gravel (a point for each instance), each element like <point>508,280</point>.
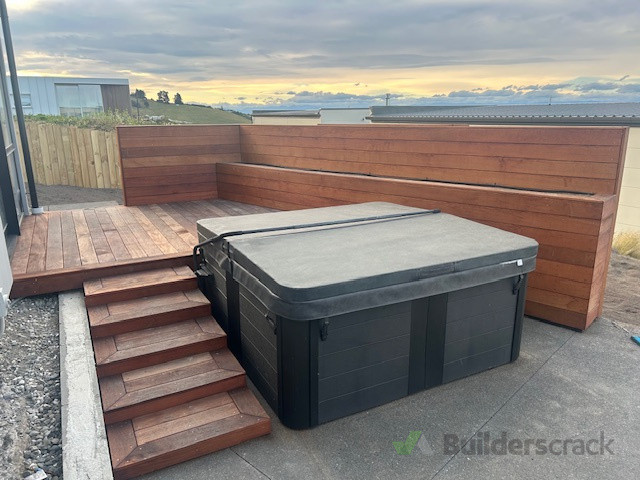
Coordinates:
<point>64,195</point>
<point>30,430</point>
<point>622,296</point>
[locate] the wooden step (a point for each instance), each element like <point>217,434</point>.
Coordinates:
<point>137,285</point>
<point>133,350</point>
<point>151,442</point>
<point>131,315</point>
<point>145,390</point>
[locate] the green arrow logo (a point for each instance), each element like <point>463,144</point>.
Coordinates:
<point>406,447</point>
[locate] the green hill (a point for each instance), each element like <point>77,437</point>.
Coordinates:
<point>188,113</point>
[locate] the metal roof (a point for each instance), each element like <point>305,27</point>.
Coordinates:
<point>562,114</point>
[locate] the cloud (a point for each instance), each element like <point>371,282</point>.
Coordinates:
<point>632,88</point>
<point>286,44</point>
<point>231,39</point>
<point>597,86</point>
<point>567,92</point>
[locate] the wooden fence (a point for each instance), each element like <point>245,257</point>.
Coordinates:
<point>66,155</point>
<point>559,185</point>
<point>174,163</point>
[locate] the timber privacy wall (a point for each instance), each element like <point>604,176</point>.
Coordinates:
<point>67,155</point>
<point>174,163</point>
<point>559,185</point>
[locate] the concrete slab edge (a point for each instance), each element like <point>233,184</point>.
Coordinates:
<point>85,451</point>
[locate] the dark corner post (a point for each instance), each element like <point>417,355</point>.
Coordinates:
<point>17,101</point>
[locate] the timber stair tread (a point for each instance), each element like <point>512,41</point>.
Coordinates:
<point>151,346</point>
<point>147,389</point>
<point>134,285</point>
<point>154,441</point>
<point>170,388</point>
<point>146,312</point>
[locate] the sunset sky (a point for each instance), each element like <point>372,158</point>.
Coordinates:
<point>247,54</point>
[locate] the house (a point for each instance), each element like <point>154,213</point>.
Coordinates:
<point>626,114</point>
<point>73,96</point>
<point>329,116</point>
<point>285,117</point>
<point>585,114</point>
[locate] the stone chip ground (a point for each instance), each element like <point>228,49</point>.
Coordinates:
<point>30,434</point>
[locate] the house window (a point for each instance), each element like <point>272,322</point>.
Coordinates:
<point>25,99</point>
<point>79,100</point>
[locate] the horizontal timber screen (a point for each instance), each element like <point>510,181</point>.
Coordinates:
<point>174,163</point>
<point>559,185</point>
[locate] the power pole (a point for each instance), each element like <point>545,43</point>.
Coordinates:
<point>386,100</point>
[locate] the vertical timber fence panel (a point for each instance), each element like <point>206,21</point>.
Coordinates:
<point>68,155</point>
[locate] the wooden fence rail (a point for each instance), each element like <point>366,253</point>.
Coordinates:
<point>67,155</point>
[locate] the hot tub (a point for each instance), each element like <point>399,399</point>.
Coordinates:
<point>335,318</point>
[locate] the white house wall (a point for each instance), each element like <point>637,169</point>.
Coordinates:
<point>628,218</point>
<point>344,115</point>
<point>43,95</point>
<point>6,279</point>
<point>43,91</point>
<point>282,120</point>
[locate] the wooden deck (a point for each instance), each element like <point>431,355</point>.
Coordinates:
<point>59,250</point>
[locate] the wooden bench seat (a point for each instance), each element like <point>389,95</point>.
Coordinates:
<point>574,231</point>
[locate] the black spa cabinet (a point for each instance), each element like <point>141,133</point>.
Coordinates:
<point>338,318</point>
<point>219,286</point>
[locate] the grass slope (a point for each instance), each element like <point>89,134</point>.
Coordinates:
<point>190,113</point>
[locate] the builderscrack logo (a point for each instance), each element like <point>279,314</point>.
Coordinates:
<point>485,443</point>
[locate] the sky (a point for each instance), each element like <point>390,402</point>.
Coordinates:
<point>298,54</point>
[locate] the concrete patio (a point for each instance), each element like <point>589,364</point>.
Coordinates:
<point>565,385</point>
<point>565,388</point>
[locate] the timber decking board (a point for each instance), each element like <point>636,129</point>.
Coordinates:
<point>205,425</point>
<point>139,392</point>
<point>147,347</point>
<point>54,256</point>
<point>134,285</point>
<point>113,237</point>
<point>88,243</point>
<point>20,258</point>
<point>85,245</point>
<point>37,256</point>
<point>70,249</point>
<point>170,389</point>
<point>131,315</point>
<point>127,236</point>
